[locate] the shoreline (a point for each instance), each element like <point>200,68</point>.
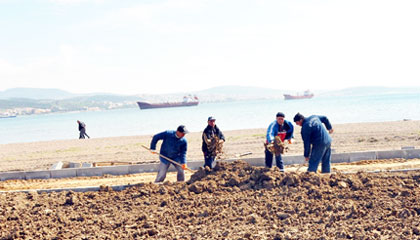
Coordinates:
<point>349,137</point>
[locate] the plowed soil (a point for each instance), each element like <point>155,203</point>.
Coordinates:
<point>232,201</point>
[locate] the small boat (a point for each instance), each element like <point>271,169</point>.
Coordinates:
<point>306,94</point>
<point>187,102</point>
<point>7,116</point>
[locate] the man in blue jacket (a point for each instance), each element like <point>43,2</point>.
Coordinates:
<point>174,147</point>
<point>279,126</point>
<point>316,141</point>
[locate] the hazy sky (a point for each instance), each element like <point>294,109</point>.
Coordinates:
<point>161,46</point>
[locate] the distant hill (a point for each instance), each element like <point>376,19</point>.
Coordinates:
<point>242,91</point>
<point>36,93</point>
<point>373,90</point>
<point>231,92</point>
<point>23,101</point>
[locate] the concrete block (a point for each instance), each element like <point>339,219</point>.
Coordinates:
<point>358,156</point>
<point>390,154</point>
<point>116,170</point>
<point>38,175</point>
<point>12,175</point>
<point>75,165</point>
<point>88,172</point>
<point>340,157</point>
<point>195,165</point>
<point>288,160</point>
<point>64,173</point>
<point>141,168</point>
<point>410,154</point>
<point>407,148</point>
<point>87,165</point>
<point>57,165</point>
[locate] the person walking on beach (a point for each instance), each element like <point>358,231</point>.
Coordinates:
<point>316,141</point>
<point>282,128</point>
<point>174,147</point>
<point>213,139</point>
<point>82,130</point>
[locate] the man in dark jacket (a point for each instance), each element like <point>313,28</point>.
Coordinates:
<point>316,141</point>
<point>212,140</point>
<point>174,147</point>
<point>277,127</point>
<point>82,130</point>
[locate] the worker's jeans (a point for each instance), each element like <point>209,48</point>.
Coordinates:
<point>163,169</point>
<point>269,160</point>
<point>320,154</point>
<point>209,161</point>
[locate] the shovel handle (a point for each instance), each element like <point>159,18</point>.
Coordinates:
<point>170,160</point>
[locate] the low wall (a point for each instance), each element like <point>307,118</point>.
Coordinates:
<point>153,167</point>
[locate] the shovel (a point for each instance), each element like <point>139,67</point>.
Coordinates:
<point>170,160</point>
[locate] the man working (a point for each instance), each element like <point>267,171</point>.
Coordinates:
<point>174,146</point>
<point>82,130</point>
<point>278,127</point>
<point>313,133</point>
<point>212,142</point>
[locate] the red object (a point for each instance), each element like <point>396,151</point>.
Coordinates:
<point>282,135</point>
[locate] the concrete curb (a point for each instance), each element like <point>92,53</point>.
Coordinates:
<point>153,167</point>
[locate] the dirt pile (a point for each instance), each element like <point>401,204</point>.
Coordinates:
<point>232,201</point>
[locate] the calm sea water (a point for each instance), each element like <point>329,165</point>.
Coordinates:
<point>229,115</point>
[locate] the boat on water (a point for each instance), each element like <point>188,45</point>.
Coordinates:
<point>188,101</point>
<point>306,94</point>
<point>7,116</point>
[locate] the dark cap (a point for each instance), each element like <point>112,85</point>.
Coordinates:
<point>211,118</point>
<point>280,114</point>
<point>182,129</point>
<point>298,117</point>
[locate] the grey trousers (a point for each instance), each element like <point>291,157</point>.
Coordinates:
<point>163,169</point>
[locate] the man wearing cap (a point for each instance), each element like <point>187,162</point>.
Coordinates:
<point>211,134</point>
<point>316,141</point>
<point>279,126</point>
<point>174,147</point>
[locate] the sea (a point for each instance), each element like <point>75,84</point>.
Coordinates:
<point>231,115</point>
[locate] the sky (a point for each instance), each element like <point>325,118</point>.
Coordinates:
<point>167,46</point>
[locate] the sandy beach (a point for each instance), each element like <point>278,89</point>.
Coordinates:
<point>346,138</point>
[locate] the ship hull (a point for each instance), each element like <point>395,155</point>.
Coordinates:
<point>145,105</point>
<point>292,97</point>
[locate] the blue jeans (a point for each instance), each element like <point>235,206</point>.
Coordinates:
<point>320,154</point>
<point>209,161</point>
<point>269,160</point>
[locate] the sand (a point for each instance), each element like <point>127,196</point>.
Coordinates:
<point>346,138</point>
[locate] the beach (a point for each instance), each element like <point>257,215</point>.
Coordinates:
<point>231,201</point>
<point>351,137</point>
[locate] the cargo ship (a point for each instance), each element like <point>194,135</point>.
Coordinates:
<point>188,101</point>
<point>306,94</point>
